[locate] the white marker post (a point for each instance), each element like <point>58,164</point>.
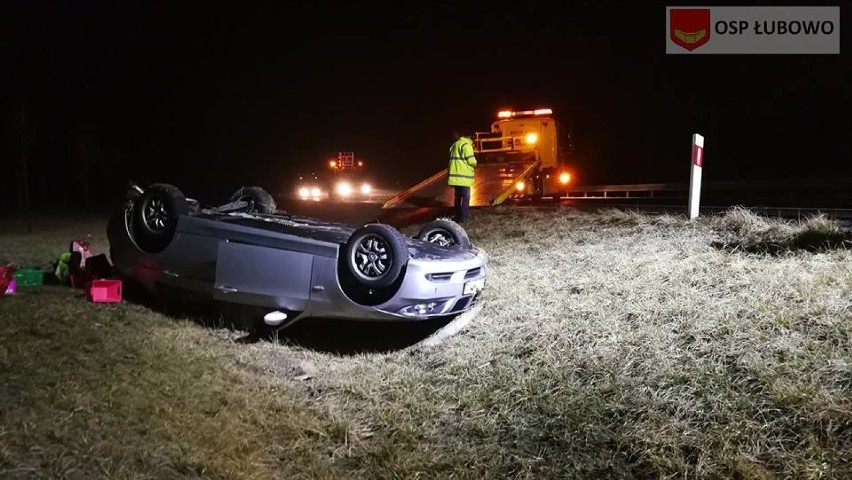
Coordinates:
<point>695,174</point>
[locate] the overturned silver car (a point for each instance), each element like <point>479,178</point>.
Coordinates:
<point>247,252</point>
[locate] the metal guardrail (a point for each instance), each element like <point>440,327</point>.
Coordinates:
<point>837,191</point>
<point>843,185</point>
<point>624,190</point>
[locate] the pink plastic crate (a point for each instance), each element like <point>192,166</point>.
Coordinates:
<point>6,276</point>
<point>104,291</point>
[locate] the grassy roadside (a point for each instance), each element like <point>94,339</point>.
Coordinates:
<point>116,391</point>
<point>611,345</point>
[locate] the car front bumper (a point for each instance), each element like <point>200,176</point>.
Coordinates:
<point>430,288</point>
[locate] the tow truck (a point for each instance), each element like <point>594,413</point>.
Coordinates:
<point>520,157</point>
<point>346,179</point>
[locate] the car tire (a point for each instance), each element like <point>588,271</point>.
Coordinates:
<point>446,233</point>
<point>155,216</point>
<point>376,255</point>
<point>259,200</point>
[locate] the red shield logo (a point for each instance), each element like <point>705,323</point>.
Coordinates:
<point>689,28</point>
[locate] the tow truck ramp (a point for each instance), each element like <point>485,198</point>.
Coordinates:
<point>493,183</point>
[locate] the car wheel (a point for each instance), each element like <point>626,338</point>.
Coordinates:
<point>155,216</point>
<point>376,255</point>
<point>446,233</point>
<point>258,199</point>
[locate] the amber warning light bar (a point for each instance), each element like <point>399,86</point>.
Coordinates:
<point>510,113</point>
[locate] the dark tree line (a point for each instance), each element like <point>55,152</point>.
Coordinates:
<point>56,161</point>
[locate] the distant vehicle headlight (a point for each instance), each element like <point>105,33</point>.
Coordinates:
<point>315,192</point>
<point>366,189</point>
<point>520,186</point>
<point>304,192</point>
<point>344,189</point>
<point>564,178</point>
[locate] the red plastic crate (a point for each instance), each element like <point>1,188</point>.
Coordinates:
<point>104,291</point>
<point>6,276</point>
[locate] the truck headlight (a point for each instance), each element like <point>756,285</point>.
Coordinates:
<point>344,189</point>
<point>532,138</point>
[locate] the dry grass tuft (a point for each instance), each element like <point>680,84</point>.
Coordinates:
<point>744,230</point>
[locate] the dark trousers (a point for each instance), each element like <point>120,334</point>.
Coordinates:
<point>462,204</point>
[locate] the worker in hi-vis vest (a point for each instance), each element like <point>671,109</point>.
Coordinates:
<point>461,168</point>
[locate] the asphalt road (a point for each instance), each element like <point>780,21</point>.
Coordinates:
<point>362,210</point>
<point>359,212</point>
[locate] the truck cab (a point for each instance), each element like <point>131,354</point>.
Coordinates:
<point>522,137</point>
<point>348,177</point>
<point>343,178</point>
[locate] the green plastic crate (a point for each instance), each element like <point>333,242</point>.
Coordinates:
<point>29,277</point>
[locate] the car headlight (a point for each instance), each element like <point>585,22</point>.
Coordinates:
<point>366,189</point>
<point>304,192</point>
<point>344,189</point>
<point>315,192</point>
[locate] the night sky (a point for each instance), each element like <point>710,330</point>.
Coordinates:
<point>212,97</point>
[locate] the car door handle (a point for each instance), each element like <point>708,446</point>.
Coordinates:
<point>226,289</point>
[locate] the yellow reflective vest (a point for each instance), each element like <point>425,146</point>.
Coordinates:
<point>462,163</point>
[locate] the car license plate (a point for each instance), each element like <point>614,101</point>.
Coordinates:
<point>474,286</point>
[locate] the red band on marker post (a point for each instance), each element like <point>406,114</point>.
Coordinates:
<point>698,156</point>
